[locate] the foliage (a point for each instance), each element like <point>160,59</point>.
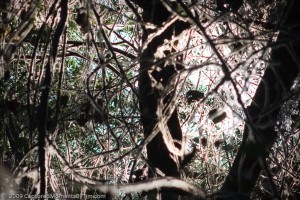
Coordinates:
<point>94,135</point>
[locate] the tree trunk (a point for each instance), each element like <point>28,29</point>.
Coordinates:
<point>259,132</point>
<point>154,75</point>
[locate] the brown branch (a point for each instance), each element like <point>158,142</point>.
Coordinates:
<point>43,107</point>
<point>260,132</point>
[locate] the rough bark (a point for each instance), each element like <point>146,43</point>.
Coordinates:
<point>155,71</point>
<point>43,107</point>
<point>259,133</point>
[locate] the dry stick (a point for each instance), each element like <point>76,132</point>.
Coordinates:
<point>61,72</point>
<point>148,185</point>
<point>122,72</point>
<point>102,186</point>
<point>227,77</point>
<point>32,64</point>
<point>43,107</point>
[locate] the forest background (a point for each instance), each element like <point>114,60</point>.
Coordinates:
<point>155,99</point>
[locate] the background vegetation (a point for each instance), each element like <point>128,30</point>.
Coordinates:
<point>70,97</point>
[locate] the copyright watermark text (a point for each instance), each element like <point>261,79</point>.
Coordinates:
<point>52,196</point>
